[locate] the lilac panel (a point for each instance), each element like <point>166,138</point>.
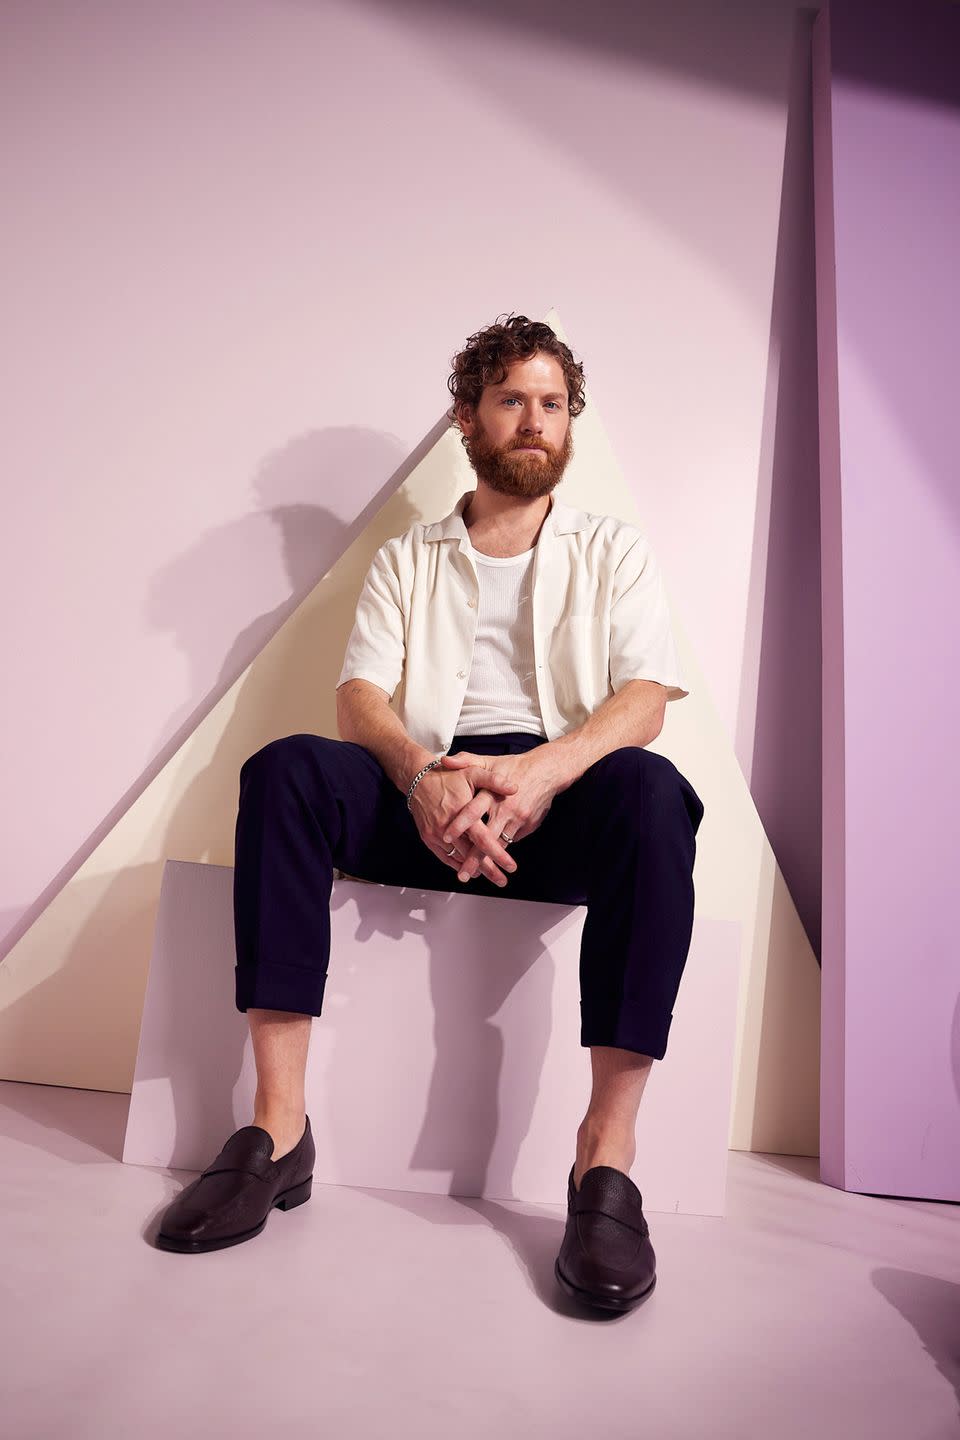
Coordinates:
<point>887,156</point>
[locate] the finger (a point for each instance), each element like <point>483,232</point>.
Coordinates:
<point>493,781</point>
<point>483,865</point>
<point>476,863</point>
<point>473,811</point>
<point>492,872</point>
<point>488,843</point>
<point>499,822</point>
<point>451,854</point>
<point>454,861</point>
<point>483,776</point>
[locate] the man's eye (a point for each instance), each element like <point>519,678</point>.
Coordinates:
<point>512,399</point>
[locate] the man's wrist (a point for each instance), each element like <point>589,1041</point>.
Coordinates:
<point>420,779</point>
<point>410,766</point>
<point>562,758</point>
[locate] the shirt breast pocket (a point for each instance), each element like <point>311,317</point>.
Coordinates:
<point>584,621</point>
<point>582,646</point>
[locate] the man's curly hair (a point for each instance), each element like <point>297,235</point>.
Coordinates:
<point>487,354</point>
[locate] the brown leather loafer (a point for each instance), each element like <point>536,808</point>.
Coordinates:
<point>231,1200</point>
<point>606,1258</point>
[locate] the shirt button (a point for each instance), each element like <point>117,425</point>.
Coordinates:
<point>472,604</point>
<point>461,674</point>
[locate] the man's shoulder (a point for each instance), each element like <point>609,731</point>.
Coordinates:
<point>417,533</point>
<point>395,545</point>
<point>402,554</point>
<point>606,532</point>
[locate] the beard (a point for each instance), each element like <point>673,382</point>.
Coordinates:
<point>527,477</point>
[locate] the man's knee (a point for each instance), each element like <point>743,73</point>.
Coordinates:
<point>287,756</point>
<point>634,766</point>
<point>643,782</point>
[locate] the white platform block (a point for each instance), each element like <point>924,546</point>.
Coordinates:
<point>447,1058</point>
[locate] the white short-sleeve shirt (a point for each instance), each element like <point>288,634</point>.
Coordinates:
<point>600,618</point>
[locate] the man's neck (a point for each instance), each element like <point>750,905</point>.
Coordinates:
<point>504,525</point>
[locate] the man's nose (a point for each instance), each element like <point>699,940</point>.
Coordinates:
<point>533,422</point>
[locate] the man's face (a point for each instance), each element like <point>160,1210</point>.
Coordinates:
<point>519,439</point>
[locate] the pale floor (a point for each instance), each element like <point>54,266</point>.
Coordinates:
<point>805,1312</point>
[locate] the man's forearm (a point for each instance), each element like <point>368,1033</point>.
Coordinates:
<point>364,716</point>
<point>634,716</point>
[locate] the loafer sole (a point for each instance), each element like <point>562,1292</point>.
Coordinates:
<point>598,1300</point>
<point>286,1200</point>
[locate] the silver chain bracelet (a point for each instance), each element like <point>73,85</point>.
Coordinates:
<point>418,777</point>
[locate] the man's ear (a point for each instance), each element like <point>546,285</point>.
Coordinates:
<point>465,418</point>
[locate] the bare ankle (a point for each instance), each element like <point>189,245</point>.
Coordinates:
<point>284,1123</point>
<point>599,1144</point>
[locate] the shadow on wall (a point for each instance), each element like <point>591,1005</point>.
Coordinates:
<point>696,38</point>
<point>312,540</point>
<point>468,989</point>
<point>781,731</point>
<point>193,817</point>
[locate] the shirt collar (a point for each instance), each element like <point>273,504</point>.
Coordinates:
<point>560,520</point>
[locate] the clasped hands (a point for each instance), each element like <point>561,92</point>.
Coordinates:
<point>514,792</point>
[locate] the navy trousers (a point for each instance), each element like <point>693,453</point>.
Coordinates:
<point>620,840</point>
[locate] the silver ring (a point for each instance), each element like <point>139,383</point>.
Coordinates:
<point>506,839</point>
<point>453,851</point>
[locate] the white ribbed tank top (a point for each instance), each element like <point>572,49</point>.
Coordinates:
<point>501,692</point>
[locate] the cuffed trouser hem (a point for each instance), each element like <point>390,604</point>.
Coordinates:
<point>280,987</point>
<point>644,1039</point>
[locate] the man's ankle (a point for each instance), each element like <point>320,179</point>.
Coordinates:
<point>285,1124</point>
<point>597,1145</point>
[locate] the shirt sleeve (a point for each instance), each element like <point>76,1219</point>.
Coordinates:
<point>641,638</point>
<point>376,649</point>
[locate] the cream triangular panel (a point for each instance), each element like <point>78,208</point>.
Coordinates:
<point>71,990</point>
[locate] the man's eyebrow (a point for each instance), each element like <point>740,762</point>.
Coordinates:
<point>554,394</point>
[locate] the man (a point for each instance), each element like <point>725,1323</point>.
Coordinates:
<point>528,645</point>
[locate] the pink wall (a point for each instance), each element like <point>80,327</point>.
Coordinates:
<point>887,102</point>
<point>242,242</point>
